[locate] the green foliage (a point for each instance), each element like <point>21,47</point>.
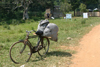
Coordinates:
<point>14,21</point>
<point>1,47</point>
<point>20,31</point>
<point>7,40</point>
<point>75,4</point>
<point>82,7</point>
<point>57,2</point>
<point>32,28</point>
<point>91,4</point>
<point>98,6</point>
<point>22,37</point>
<point>37,8</point>
<point>65,7</point>
<point>6,26</point>
<point>83,21</point>
<point>11,10</point>
<point>21,21</point>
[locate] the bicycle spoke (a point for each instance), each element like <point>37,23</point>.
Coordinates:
<point>19,53</point>
<point>45,48</point>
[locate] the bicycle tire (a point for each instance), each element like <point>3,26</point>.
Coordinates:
<point>18,52</point>
<point>45,46</point>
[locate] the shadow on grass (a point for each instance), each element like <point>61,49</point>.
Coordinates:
<point>38,59</point>
<point>59,53</point>
<point>53,53</point>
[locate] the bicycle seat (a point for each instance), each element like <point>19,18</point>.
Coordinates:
<point>39,32</point>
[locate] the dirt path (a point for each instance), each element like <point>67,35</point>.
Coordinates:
<point>89,50</point>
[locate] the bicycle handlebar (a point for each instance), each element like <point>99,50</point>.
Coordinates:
<point>29,32</point>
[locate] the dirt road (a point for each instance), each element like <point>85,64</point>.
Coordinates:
<point>89,50</point>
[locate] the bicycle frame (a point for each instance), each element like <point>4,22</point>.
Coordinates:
<point>36,48</point>
<point>26,44</point>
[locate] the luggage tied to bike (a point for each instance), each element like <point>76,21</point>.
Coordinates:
<point>48,29</point>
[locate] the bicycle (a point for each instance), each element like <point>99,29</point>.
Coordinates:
<point>22,50</point>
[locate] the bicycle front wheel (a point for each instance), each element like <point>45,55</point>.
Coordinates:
<point>44,43</point>
<point>20,53</point>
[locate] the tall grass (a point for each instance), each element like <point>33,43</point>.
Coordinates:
<point>59,55</point>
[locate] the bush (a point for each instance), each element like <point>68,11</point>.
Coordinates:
<point>83,21</point>
<point>20,31</point>
<point>82,7</point>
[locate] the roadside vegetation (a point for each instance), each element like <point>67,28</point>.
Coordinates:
<point>60,53</point>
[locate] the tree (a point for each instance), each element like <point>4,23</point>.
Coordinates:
<point>65,7</point>
<point>57,2</point>
<point>91,4</point>
<point>75,4</point>
<point>82,7</point>
<point>5,9</point>
<point>11,5</point>
<point>25,4</point>
<point>99,5</point>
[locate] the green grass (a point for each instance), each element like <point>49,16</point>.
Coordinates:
<point>57,56</point>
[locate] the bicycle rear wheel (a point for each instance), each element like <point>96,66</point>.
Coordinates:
<point>44,43</point>
<point>20,53</point>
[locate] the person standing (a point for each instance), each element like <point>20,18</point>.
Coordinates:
<point>48,15</point>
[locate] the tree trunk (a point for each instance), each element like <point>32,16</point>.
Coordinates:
<point>74,12</point>
<point>25,14</point>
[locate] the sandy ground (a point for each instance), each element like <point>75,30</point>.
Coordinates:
<point>89,50</point>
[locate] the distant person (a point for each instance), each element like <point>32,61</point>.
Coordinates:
<point>48,15</point>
